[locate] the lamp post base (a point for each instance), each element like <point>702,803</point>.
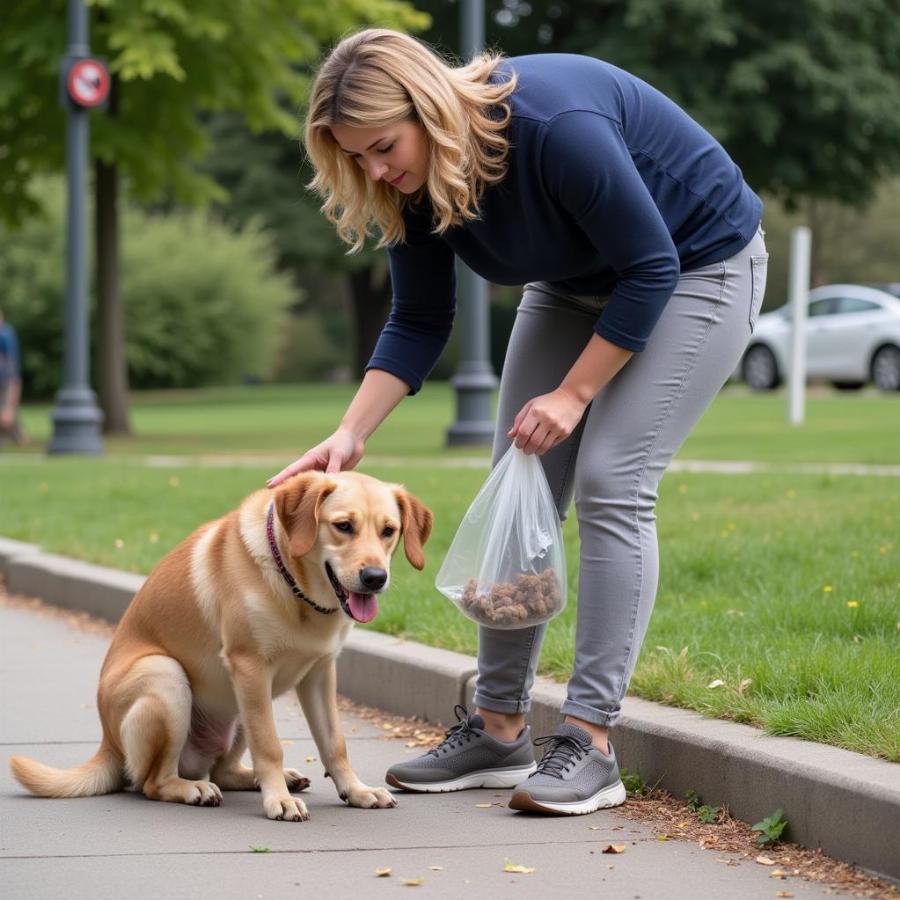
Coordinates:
<point>474,423</point>
<point>76,423</point>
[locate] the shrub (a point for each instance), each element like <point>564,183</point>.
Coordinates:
<point>203,304</point>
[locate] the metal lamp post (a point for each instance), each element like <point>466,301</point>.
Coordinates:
<point>85,84</point>
<point>474,380</point>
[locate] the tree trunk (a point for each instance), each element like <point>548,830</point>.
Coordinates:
<point>112,373</point>
<point>370,289</point>
<point>828,222</point>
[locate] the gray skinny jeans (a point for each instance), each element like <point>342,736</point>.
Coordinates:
<point>613,463</point>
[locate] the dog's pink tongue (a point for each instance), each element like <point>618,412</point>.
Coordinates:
<point>363,606</point>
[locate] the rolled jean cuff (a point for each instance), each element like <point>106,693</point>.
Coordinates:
<point>510,707</point>
<point>588,714</point>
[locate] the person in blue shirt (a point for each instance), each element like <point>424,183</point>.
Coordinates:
<point>10,383</point>
<point>643,261</point>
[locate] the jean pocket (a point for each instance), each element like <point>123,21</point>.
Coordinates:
<point>759,266</point>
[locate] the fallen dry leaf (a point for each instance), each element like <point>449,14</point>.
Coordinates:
<point>777,873</point>
<point>382,873</point>
<point>436,868</point>
<point>593,827</point>
<point>514,867</point>
<point>614,848</point>
<point>413,882</point>
<point>309,758</point>
<point>717,682</point>
<point>783,894</point>
<point>662,837</point>
<point>484,805</point>
<point>765,861</point>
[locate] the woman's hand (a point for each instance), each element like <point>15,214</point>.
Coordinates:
<point>546,420</point>
<point>342,451</point>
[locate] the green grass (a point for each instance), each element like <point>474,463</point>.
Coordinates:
<point>283,420</point>
<point>790,581</point>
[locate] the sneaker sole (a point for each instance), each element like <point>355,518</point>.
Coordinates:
<point>487,778</point>
<point>614,795</point>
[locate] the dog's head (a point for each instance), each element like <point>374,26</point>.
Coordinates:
<point>343,530</point>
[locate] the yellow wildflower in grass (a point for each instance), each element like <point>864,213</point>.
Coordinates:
<point>852,604</point>
<point>827,589</point>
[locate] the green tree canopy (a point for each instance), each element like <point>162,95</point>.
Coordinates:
<point>804,94</point>
<point>172,59</point>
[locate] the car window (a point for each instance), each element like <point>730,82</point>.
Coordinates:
<point>856,305</point>
<point>824,307</point>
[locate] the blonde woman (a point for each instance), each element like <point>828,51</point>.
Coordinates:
<point>644,265</point>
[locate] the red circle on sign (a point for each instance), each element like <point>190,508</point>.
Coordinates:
<point>88,82</point>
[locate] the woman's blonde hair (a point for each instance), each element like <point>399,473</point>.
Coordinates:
<point>378,77</point>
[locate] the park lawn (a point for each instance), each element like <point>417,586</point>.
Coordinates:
<point>783,587</point>
<point>283,420</point>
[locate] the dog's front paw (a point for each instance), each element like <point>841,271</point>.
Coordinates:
<point>367,797</point>
<point>285,808</point>
<point>295,781</point>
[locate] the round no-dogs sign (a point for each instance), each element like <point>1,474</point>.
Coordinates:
<point>88,83</point>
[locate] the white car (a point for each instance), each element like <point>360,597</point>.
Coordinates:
<point>852,338</point>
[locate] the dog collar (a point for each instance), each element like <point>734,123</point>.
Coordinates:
<point>270,532</point>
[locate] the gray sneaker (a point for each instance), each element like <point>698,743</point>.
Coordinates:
<point>468,757</point>
<point>572,778</point>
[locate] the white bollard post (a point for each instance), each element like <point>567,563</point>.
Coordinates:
<point>801,242</point>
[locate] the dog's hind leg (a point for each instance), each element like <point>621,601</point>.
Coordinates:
<point>154,730</point>
<point>231,775</point>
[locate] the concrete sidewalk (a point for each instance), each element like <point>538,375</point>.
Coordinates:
<point>122,844</point>
<point>845,803</point>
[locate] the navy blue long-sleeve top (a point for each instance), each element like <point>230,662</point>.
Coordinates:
<point>611,190</point>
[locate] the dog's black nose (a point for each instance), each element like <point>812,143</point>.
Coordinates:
<point>372,578</point>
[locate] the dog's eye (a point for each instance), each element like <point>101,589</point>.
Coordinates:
<point>388,531</point>
<point>345,527</point>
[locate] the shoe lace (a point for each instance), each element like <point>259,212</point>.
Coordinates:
<point>563,751</point>
<point>457,734</point>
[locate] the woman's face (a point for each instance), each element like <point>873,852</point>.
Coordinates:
<point>396,153</point>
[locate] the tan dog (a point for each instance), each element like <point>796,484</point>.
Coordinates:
<point>246,608</point>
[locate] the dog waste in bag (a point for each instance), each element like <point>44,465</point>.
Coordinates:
<point>506,567</point>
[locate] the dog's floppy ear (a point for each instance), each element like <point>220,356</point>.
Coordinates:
<point>297,503</point>
<point>416,520</point>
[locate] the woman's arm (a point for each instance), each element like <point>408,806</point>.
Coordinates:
<point>546,420</point>
<point>594,369</point>
<point>378,394</point>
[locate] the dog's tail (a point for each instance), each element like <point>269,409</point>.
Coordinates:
<point>101,774</point>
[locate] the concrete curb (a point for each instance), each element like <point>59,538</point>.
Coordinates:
<point>846,803</point>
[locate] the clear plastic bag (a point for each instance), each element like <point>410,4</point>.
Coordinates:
<point>506,567</point>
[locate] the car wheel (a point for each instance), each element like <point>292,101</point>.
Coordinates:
<point>886,368</point>
<point>848,385</point>
<point>760,368</point>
